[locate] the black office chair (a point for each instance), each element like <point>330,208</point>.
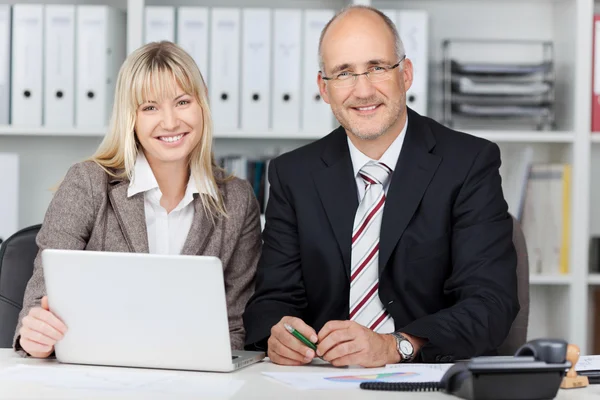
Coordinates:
<point>17,254</point>
<point>517,335</point>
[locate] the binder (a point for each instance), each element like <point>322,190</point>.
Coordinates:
<point>9,201</point>
<point>316,114</point>
<point>413,30</point>
<point>4,64</point>
<point>595,76</point>
<point>256,71</point>
<point>192,35</point>
<point>547,218</point>
<point>224,67</point>
<point>287,41</point>
<point>59,64</point>
<point>26,65</point>
<point>100,51</point>
<point>159,24</point>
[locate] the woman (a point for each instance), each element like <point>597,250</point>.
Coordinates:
<point>152,186</point>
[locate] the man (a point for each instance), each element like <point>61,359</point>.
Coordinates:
<point>388,240</point>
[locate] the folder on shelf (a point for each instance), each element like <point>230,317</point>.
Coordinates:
<point>100,51</point>
<point>27,65</point>
<point>192,36</point>
<point>59,65</point>
<point>546,218</point>
<point>159,24</point>
<point>596,76</point>
<point>316,114</point>
<point>287,40</point>
<point>9,201</point>
<point>413,27</point>
<point>514,171</point>
<point>225,67</point>
<point>256,69</point>
<point>5,25</point>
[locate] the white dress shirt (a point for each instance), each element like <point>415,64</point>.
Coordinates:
<point>389,158</point>
<point>166,232</point>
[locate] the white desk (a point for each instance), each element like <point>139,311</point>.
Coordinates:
<point>256,386</point>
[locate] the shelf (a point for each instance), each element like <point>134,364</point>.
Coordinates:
<point>98,132</point>
<point>526,136</point>
<point>594,279</point>
<point>47,131</point>
<point>238,134</point>
<point>550,279</point>
<point>495,136</point>
<point>595,137</point>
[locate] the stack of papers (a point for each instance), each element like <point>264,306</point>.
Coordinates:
<point>351,378</point>
<point>588,363</point>
<point>122,380</point>
<point>488,91</point>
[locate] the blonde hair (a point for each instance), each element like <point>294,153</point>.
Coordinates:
<point>149,70</point>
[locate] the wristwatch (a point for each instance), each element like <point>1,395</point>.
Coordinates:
<point>404,347</point>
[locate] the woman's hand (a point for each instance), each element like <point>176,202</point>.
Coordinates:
<point>40,331</point>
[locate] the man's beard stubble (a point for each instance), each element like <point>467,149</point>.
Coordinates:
<point>391,116</point>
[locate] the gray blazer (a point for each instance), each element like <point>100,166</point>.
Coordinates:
<point>91,211</point>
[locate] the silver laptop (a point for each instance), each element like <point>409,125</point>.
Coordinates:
<point>141,310</point>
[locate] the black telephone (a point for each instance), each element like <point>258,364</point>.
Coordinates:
<point>534,373</point>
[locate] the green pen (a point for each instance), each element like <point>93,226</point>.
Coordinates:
<point>300,337</point>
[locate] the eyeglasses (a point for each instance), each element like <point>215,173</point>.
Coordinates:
<point>376,73</point>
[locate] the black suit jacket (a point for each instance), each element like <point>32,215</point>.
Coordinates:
<point>447,262</point>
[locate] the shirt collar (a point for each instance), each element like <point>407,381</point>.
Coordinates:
<point>143,178</point>
<point>144,181</point>
<point>389,158</point>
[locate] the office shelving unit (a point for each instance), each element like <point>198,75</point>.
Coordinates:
<point>559,302</point>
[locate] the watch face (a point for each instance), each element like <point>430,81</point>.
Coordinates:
<point>406,347</point>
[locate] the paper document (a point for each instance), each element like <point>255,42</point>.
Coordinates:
<point>494,100</point>
<point>503,111</point>
<point>491,68</point>
<point>122,379</point>
<point>469,86</point>
<point>588,363</point>
<point>352,378</point>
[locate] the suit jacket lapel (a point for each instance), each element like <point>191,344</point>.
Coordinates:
<point>131,216</point>
<point>414,170</point>
<point>336,187</point>
<point>200,231</point>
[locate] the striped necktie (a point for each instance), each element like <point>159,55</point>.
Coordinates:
<point>365,306</point>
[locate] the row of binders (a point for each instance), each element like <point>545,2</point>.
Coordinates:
<point>253,170</point>
<point>261,65</point>
<point>58,64</point>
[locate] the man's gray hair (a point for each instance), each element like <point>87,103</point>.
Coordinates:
<point>390,24</point>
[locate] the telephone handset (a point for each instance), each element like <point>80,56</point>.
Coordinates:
<point>534,372</point>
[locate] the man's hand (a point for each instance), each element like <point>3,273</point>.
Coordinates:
<point>40,331</point>
<point>349,343</point>
<point>285,349</point>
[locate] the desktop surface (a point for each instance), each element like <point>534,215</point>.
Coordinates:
<point>256,386</point>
